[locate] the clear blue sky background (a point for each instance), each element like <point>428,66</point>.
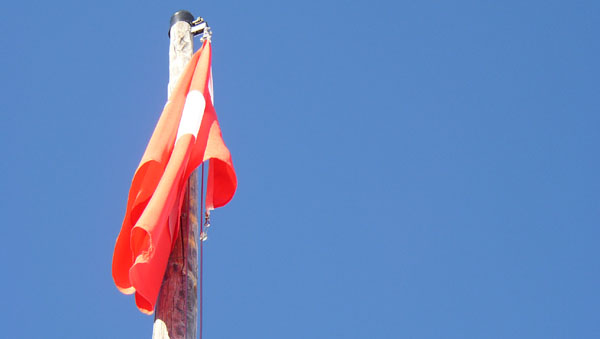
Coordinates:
<point>407,169</point>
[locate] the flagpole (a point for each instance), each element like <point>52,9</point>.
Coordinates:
<point>177,308</point>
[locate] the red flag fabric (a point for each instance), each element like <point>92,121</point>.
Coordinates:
<point>186,135</point>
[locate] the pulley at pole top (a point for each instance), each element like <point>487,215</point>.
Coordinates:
<point>199,26</point>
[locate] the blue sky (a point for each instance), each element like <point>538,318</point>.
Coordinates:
<point>407,169</point>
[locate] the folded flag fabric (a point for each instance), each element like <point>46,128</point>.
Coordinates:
<point>186,135</point>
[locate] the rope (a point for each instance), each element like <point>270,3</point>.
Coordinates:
<point>182,234</point>
<point>201,252</point>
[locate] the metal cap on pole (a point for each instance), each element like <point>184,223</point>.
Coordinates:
<point>182,15</point>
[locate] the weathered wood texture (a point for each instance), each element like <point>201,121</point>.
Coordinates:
<point>181,49</point>
<point>177,307</point>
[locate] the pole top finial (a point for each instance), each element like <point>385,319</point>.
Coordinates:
<point>182,15</point>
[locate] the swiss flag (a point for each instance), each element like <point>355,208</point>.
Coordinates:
<point>186,135</point>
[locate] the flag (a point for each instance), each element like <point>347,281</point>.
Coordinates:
<point>186,135</point>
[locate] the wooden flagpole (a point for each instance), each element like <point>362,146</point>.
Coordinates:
<point>177,308</point>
